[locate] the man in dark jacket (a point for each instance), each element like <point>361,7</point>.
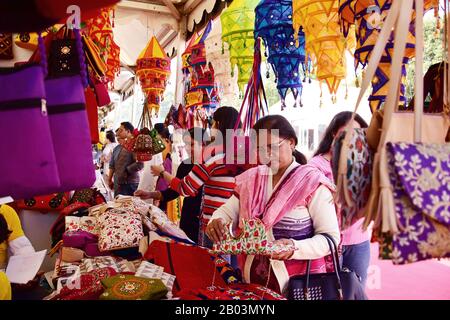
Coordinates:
<point>123,166</point>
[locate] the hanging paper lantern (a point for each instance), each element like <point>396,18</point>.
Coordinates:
<point>153,70</point>
<point>100,30</point>
<point>226,85</point>
<point>367,16</point>
<point>274,26</point>
<point>201,95</point>
<point>238,22</point>
<point>325,43</point>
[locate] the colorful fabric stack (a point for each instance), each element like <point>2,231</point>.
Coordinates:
<point>153,70</point>
<point>201,98</point>
<point>325,43</point>
<point>274,26</point>
<point>238,22</point>
<point>100,31</point>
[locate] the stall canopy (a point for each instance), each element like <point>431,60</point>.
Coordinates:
<point>172,22</point>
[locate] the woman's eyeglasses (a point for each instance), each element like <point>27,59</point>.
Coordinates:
<point>270,147</point>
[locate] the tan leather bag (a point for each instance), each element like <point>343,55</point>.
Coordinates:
<point>401,126</point>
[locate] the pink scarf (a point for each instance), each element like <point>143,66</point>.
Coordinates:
<point>321,163</point>
<point>295,190</point>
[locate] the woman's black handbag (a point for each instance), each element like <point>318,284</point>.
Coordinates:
<point>338,285</point>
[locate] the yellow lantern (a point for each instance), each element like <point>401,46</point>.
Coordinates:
<point>325,43</point>
<point>153,70</point>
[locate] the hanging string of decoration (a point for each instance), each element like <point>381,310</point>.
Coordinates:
<point>324,41</point>
<point>274,26</point>
<point>201,95</point>
<point>100,30</point>
<point>153,71</point>
<point>238,22</point>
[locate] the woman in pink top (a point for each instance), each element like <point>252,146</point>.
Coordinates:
<point>355,241</point>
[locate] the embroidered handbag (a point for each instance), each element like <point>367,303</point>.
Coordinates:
<point>144,145</point>
<point>128,287</point>
<point>51,202</point>
<point>355,159</point>
<point>29,165</point>
<point>338,285</point>
<point>420,177</point>
<point>252,241</point>
<point>89,286</point>
<point>119,230</point>
<point>158,144</point>
<point>6,46</point>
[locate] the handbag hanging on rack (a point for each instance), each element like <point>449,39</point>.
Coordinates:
<point>337,285</point>
<point>70,127</point>
<point>143,146</point>
<point>412,167</point>
<point>63,59</point>
<point>28,163</point>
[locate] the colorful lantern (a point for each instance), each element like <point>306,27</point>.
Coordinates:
<point>226,85</point>
<point>367,16</point>
<point>238,21</point>
<point>274,26</point>
<point>325,43</point>
<point>201,96</point>
<point>100,30</point>
<point>153,70</point>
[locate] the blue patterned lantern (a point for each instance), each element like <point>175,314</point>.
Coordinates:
<point>274,25</point>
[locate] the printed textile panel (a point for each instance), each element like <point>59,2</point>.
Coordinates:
<point>420,177</point>
<point>119,230</point>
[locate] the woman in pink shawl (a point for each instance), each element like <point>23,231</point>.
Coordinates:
<point>295,202</point>
<point>355,240</point>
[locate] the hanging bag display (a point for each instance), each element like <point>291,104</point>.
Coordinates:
<point>337,285</point>
<point>352,156</point>
<point>28,159</point>
<point>63,57</point>
<point>415,175</point>
<point>70,127</point>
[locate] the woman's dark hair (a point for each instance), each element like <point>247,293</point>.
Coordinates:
<point>4,231</point>
<point>285,129</point>
<point>159,127</point>
<point>165,134</point>
<point>197,134</point>
<point>339,120</point>
<point>226,118</point>
<point>111,136</point>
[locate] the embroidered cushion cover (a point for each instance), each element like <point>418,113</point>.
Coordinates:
<point>128,287</point>
<point>119,230</point>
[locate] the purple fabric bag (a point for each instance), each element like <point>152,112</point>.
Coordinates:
<point>70,131</point>
<point>420,178</point>
<point>79,239</point>
<point>28,159</point>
